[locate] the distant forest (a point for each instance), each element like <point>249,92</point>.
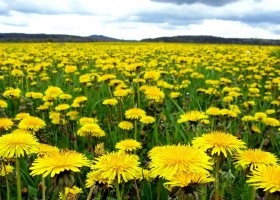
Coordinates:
<point>21,37</point>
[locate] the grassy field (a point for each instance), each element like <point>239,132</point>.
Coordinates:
<point>139,121</point>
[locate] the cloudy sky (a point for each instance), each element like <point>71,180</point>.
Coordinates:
<point>138,19</point>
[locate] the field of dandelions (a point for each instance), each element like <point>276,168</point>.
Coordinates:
<point>131,121</point>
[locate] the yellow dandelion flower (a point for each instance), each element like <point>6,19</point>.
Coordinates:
<point>34,95</point>
<point>71,192</point>
<point>4,170</point>
<point>135,113</point>
<point>266,178</point>
<point>111,102</point>
<point>166,161</point>
<point>12,93</point>
<point>269,121</point>
<point>62,107</point>
<point>32,123</point>
<point>73,115</point>
<point>122,92</point>
<point>91,129</point>
<point>6,123</point>
<point>3,104</point>
<point>52,93</point>
<point>213,111</point>
<point>87,120</point>
<point>192,116</point>
<point>93,177</point>
<point>47,149</point>
<point>183,179</point>
<point>255,129</point>
<point>154,75</point>
<point>259,116</point>
<point>153,93</point>
<point>17,144</point>
<point>125,125</point>
<point>65,96</point>
<point>21,116</point>
<point>219,142</point>
<point>147,120</point>
<point>57,162</point>
<point>99,149</point>
<point>174,95</point>
<point>254,158</point>
<point>117,166</point>
<point>128,145</point>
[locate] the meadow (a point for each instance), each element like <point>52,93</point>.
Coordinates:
<point>139,121</point>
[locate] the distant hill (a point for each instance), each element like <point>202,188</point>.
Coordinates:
<point>212,39</point>
<point>22,37</point>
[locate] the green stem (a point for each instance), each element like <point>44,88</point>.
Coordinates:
<point>253,193</point>
<point>90,192</point>
<point>217,184</point>
<point>43,188</point>
<point>137,190</point>
<point>204,192</point>
<point>135,129</point>
<point>117,187</point>
<point>18,180</point>
<point>7,183</point>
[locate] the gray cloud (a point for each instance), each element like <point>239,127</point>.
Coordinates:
<point>206,2</point>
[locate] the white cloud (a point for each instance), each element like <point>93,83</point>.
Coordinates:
<point>137,19</point>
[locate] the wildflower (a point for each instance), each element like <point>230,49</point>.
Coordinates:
<point>87,120</point>
<point>70,69</point>
<point>166,161</point>
<point>269,121</point>
<point>73,115</point>
<point>4,170</point>
<point>93,177</point>
<point>3,104</point>
<point>147,120</point>
<point>21,116</point>
<point>153,75</point>
<point>91,129</point>
<point>125,125</point>
<point>192,116</point>
<point>255,129</point>
<point>6,123</point>
<point>32,123</point>
<point>259,116</point>
<point>65,96</point>
<point>56,118</point>
<point>47,149</point>
<point>154,93</point>
<point>34,95</point>
<point>122,92</point>
<point>128,145</point>
<point>213,111</point>
<point>99,149</point>
<point>266,178</point>
<point>117,166</point>
<point>174,95</point>
<point>111,102</point>
<point>62,107</point>
<point>183,179</point>
<point>57,162</point>
<point>12,93</point>
<point>219,142</point>
<point>52,93</point>
<point>254,158</point>
<point>135,113</point>
<point>71,192</point>
<point>14,145</point>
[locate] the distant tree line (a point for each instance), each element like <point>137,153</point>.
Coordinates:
<point>213,40</point>
<point>22,37</point>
